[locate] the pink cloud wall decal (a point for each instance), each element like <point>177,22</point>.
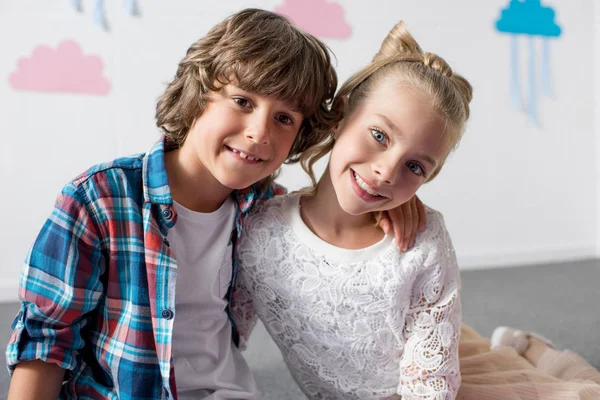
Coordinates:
<point>318,17</point>
<point>64,69</point>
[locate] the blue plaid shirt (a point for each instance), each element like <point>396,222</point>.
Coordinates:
<point>98,285</point>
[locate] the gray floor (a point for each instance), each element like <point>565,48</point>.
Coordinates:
<point>558,300</point>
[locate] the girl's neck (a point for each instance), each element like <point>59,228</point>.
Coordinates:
<point>322,213</point>
<point>192,185</point>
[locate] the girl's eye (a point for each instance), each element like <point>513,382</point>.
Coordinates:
<point>379,136</point>
<point>285,119</point>
<point>416,169</point>
<point>242,102</point>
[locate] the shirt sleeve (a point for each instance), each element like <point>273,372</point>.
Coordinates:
<point>429,364</point>
<point>60,285</point>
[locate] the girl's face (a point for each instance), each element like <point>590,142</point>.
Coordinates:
<point>386,148</point>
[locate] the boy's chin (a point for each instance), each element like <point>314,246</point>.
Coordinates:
<point>238,184</point>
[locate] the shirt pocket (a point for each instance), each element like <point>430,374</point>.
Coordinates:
<point>225,271</point>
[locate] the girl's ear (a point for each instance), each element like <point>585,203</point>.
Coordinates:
<point>337,130</point>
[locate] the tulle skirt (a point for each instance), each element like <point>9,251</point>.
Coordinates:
<point>502,374</point>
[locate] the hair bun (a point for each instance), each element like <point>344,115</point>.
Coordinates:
<point>399,42</point>
<point>437,63</point>
<point>465,89</point>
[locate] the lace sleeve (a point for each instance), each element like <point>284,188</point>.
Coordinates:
<point>242,309</point>
<point>429,365</point>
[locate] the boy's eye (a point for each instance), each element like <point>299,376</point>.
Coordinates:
<point>416,168</point>
<point>379,136</point>
<point>285,119</point>
<point>242,102</point>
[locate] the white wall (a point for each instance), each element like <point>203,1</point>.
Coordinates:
<point>597,115</point>
<point>513,193</point>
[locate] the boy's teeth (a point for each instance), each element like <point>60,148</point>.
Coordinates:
<point>244,155</point>
<point>364,186</point>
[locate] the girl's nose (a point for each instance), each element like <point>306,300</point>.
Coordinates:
<point>386,171</point>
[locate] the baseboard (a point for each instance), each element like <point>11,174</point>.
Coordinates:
<point>9,291</point>
<point>530,256</point>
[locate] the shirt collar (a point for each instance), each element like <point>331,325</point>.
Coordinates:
<point>156,182</point>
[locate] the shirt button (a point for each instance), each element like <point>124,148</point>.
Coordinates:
<point>167,213</point>
<point>167,314</point>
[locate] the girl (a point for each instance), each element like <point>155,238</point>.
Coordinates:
<point>354,317</point>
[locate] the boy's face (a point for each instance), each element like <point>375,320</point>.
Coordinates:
<point>242,137</point>
<point>386,149</point>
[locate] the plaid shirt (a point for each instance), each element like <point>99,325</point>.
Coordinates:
<point>98,286</point>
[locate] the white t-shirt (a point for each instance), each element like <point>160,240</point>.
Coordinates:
<point>207,363</point>
<point>352,324</point>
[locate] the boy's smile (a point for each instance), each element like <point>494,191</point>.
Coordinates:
<point>244,157</point>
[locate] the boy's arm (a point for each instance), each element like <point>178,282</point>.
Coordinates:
<point>60,284</point>
<point>429,364</point>
<point>36,380</point>
<point>406,221</point>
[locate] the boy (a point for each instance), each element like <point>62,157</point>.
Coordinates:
<point>101,284</point>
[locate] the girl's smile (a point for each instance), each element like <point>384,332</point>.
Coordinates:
<point>363,189</point>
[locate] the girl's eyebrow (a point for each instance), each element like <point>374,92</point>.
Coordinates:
<point>388,122</point>
<point>428,158</point>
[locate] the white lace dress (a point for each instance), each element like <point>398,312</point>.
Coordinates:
<point>352,324</point>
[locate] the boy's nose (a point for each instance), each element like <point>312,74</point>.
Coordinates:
<point>258,131</point>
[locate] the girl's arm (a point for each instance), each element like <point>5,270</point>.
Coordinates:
<point>429,364</point>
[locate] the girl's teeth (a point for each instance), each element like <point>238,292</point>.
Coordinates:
<point>364,186</point>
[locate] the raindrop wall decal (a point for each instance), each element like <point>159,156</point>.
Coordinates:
<point>532,19</point>
<point>98,14</point>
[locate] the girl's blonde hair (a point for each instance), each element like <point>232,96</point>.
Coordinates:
<point>261,52</point>
<point>401,57</point>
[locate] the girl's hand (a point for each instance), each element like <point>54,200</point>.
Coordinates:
<point>406,221</point>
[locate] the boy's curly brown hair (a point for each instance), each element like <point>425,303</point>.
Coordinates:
<point>261,52</point>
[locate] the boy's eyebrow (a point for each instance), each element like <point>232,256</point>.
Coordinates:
<point>294,108</point>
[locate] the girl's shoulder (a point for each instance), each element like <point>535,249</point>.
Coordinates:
<point>435,227</point>
<point>273,210</point>
<point>434,241</point>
